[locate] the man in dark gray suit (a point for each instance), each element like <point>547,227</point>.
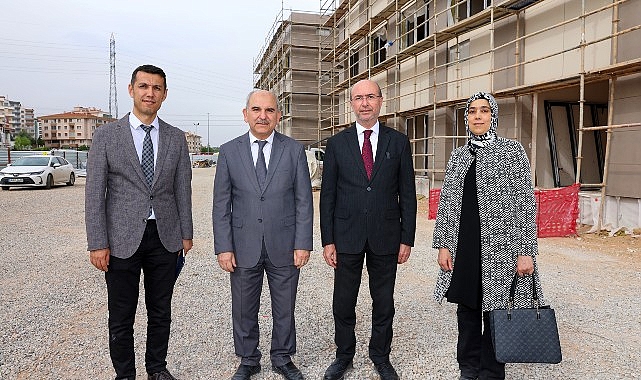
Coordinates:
<point>367,213</point>
<point>262,218</point>
<point>138,216</point>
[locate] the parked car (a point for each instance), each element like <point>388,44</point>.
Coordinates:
<point>38,170</point>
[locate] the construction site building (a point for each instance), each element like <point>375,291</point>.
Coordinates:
<point>566,74</point>
<point>289,66</point>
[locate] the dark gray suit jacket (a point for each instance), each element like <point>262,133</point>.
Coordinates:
<point>243,214</point>
<point>354,209</point>
<point>117,197</point>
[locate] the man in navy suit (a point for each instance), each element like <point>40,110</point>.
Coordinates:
<point>367,213</point>
<point>138,217</point>
<point>262,219</point>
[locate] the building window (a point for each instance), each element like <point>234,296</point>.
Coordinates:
<point>46,135</point>
<point>353,64</point>
<point>323,32</point>
<point>286,106</point>
<point>459,52</point>
<point>414,25</point>
<point>461,9</point>
<point>379,47</point>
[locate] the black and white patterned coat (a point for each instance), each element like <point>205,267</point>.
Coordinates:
<point>507,212</point>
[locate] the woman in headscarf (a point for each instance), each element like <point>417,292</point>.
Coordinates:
<point>485,232</point>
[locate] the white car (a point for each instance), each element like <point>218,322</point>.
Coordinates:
<point>37,170</point>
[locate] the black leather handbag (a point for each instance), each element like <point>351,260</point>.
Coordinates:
<point>525,335</point>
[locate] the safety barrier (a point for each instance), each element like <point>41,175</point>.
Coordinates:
<point>557,210</point>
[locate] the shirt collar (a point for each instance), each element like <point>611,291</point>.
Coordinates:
<point>360,129</point>
<point>135,122</point>
<point>253,138</point>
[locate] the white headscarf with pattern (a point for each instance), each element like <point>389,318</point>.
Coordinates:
<point>476,142</point>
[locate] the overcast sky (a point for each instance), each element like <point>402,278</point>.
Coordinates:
<point>54,55</point>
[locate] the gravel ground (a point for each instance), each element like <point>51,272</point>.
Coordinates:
<point>53,319</point>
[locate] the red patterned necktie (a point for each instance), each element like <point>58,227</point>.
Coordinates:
<point>368,156</point>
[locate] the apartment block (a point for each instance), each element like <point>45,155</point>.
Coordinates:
<point>72,129</point>
<point>289,65</point>
<point>566,73</point>
<point>193,142</point>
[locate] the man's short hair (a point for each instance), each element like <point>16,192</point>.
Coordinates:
<point>149,69</point>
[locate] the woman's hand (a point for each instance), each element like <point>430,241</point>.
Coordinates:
<point>524,265</point>
<point>445,259</point>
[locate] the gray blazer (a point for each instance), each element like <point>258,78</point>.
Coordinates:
<point>243,214</point>
<point>117,197</point>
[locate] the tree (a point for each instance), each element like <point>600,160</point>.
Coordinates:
<point>211,149</point>
<point>23,133</point>
<point>22,143</point>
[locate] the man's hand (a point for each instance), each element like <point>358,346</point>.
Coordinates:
<point>100,258</point>
<point>445,259</point>
<point>301,257</point>
<point>404,253</point>
<point>524,265</point>
<point>227,261</point>
<point>187,245</point>
<point>329,254</point>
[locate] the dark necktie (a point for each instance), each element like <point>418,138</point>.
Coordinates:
<point>261,166</point>
<point>368,156</point>
<point>147,162</point>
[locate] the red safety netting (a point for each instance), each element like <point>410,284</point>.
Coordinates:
<point>557,210</point>
<point>435,196</point>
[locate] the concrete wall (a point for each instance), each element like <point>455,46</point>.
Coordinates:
<point>625,158</point>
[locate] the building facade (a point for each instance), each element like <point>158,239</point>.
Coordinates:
<point>566,73</point>
<point>193,142</point>
<point>71,129</point>
<point>288,65</point>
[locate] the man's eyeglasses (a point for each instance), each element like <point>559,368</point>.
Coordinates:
<point>368,97</point>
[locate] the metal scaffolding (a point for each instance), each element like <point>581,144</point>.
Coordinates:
<point>430,55</point>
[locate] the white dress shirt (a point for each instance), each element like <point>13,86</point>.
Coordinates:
<point>373,138</point>
<point>267,150</point>
<point>139,136</point>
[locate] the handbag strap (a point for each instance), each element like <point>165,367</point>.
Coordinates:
<point>535,297</point>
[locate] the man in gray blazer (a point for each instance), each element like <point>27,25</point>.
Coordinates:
<point>262,219</point>
<point>138,217</point>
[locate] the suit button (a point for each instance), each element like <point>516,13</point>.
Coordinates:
<point>151,197</point>
<point>369,188</point>
<point>260,220</point>
<point>365,211</point>
<point>262,198</point>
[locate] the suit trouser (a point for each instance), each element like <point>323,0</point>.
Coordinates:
<point>123,282</point>
<point>347,279</point>
<point>475,351</point>
<point>246,287</point>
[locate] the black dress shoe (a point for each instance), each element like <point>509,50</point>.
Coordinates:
<point>289,371</point>
<point>386,371</point>
<point>337,369</point>
<point>245,372</point>
<point>162,375</point>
